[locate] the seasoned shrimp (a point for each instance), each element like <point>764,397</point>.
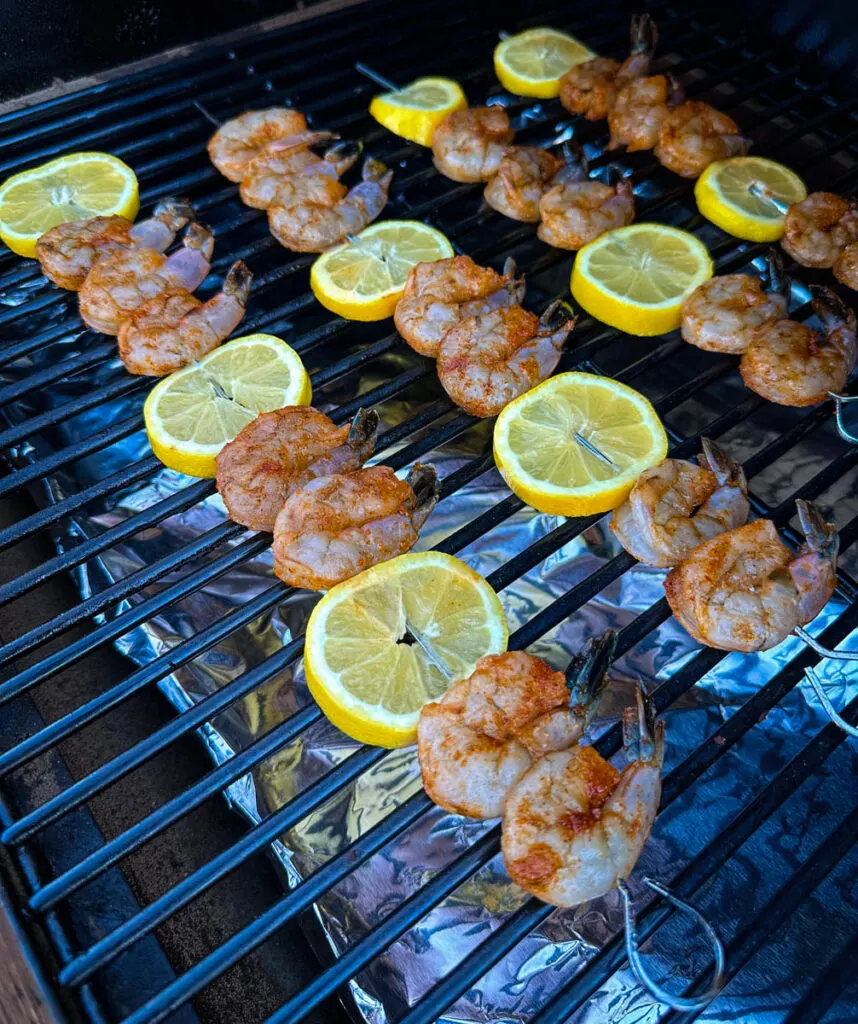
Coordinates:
<point>640,109</point>
<point>468,144</point>
<point>746,591</point>
<point>523,176</point>
<point>280,451</point>
<point>488,360</point>
<point>724,313</point>
<point>591,88</point>
<point>576,212</point>
<point>122,281</point>
<point>439,295</point>
<point>485,732</point>
<point>818,229</point>
<point>292,172</point>
<point>174,329</point>
<point>846,266</point>
<point>310,226</point>
<point>676,505</point>
<point>790,363</point>
<point>68,251</point>
<point>243,139</point>
<point>574,827</point>
<point>696,135</point>
<point>336,526</point>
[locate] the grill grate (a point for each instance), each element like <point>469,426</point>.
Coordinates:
<point>159,122</point>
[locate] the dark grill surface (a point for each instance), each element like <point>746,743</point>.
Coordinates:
<point>155,122</point>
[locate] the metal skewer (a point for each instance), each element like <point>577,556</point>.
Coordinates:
<point>374,76</point>
<point>839,402</point>
<point>207,115</point>
<point>593,450</point>
<point>761,192</point>
<point>814,680</point>
<point>428,650</point>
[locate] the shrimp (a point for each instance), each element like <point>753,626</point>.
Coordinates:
<point>846,267</point>
<point>574,827</point>
<point>280,451</point>
<point>122,281</point>
<point>791,364</point>
<point>439,295</point>
<point>591,88</point>
<point>336,526</point>
<point>478,740</point>
<point>468,145</point>
<point>576,212</point>
<point>243,139</point>
<point>640,109</point>
<point>68,251</point>
<point>725,313</point>
<point>292,172</point>
<point>676,505</point>
<point>309,226</point>
<point>490,359</point>
<point>174,328</point>
<point>696,135</point>
<point>746,591</point>
<point>819,228</point>
<point>523,176</point>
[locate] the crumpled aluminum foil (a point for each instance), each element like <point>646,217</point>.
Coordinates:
<point>518,986</point>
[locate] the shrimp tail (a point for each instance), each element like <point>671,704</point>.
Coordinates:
<point>587,674</point>
<point>727,471</point>
<point>643,736</point>
<point>174,213</point>
<point>576,167</point>
<point>831,309</point>
<point>737,145</point>
<point>644,34</point>
<point>199,238</point>
<point>514,286</point>
<point>776,278</point>
<point>376,172</point>
<point>300,140</point>
<point>363,433</point>
<point>423,481</point>
<point>237,282</point>
<point>343,154</point>
<point>675,91</point>
<point>559,317</point>
<point>820,537</point>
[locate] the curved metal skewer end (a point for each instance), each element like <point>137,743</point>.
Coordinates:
<point>841,723</point>
<point>824,652</point>
<point>633,952</point>
<point>839,402</point>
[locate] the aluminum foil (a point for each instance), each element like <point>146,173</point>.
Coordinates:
<point>518,986</point>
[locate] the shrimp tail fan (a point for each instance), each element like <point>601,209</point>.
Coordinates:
<point>237,282</point>
<point>643,736</point>
<point>199,237</point>
<point>644,34</point>
<point>831,309</point>
<point>363,433</point>
<point>423,481</point>
<point>577,167</point>
<point>374,170</point>
<point>515,286</point>
<point>558,316</point>
<point>675,91</point>
<point>776,277</point>
<point>820,536</point>
<point>717,461</point>
<point>587,674</point>
<point>175,213</point>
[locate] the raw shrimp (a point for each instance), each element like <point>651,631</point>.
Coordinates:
<point>243,139</point>
<point>280,451</point>
<point>439,295</point>
<point>576,212</point>
<point>175,329</point>
<point>746,591</point>
<point>792,364</point>
<point>675,506</point>
<point>122,281</point>
<point>574,827</point>
<point>640,109</point>
<point>485,732</point>
<point>293,172</point>
<point>523,176</point>
<point>310,226</point>
<point>68,251</point>
<point>695,135</point>
<point>818,229</point>
<point>468,144</point>
<point>336,526</point>
<point>490,359</point>
<point>724,313</point>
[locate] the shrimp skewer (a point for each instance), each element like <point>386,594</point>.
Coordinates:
<point>68,251</point>
<point>746,591</point>
<point>790,363</point>
<point>468,145</point>
<point>640,109</point>
<point>439,295</point>
<point>724,314</point>
<point>574,827</point>
<point>675,506</point>
<point>243,139</point>
<point>487,361</point>
<point>122,281</point>
<point>695,135</point>
<point>174,328</point>
<point>281,451</point>
<point>487,730</point>
<point>336,526</point>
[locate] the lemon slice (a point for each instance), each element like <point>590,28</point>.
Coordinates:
<point>533,62</point>
<point>363,279</point>
<point>636,278</point>
<point>73,187</point>
<point>746,196</point>
<point>191,414</point>
<point>415,112</point>
<point>374,644</point>
<point>575,445</point>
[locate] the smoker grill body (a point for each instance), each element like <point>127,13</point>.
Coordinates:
<point>150,119</point>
